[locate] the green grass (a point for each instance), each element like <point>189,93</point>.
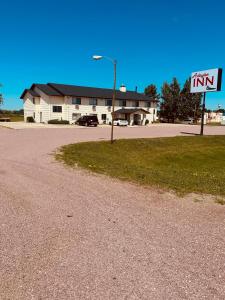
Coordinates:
<point>183,164</point>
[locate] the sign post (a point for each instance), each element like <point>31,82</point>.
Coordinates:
<point>203,114</point>
<point>203,82</point>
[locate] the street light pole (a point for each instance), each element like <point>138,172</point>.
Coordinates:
<point>98,57</point>
<point>113,101</point>
<point>1,97</point>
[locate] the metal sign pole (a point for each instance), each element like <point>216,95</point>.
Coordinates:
<point>203,114</point>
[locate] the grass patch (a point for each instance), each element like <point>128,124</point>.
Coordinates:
<point>220,201</point>
<point>183,164</point>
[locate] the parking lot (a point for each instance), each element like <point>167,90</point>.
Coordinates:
<point>70,234</point>
<point>161,129</point>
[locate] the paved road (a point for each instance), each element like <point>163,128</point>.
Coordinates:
<point>67,234</point>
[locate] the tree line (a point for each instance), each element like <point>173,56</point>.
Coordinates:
<point>18,112</point>
<point>176,103</point>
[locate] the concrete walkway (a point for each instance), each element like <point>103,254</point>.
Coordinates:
<point>24,125</point>
<point>67,234</point>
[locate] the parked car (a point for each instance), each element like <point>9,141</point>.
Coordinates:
<point>87,121</point>
<point>120,122</point>
<point>188,121</point>
<point>163,120</point>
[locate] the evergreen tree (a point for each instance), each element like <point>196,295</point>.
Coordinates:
<point>165,103</point>
<point>170,100</point>
<point>177,104</point>
<point>190,104</point>
<point>175,91</point>
<point>151,91</point>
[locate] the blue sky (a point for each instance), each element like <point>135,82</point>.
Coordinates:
<point>153,41</point>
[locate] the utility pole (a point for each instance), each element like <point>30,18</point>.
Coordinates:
<point>98,57</point>
<point>113,101</point>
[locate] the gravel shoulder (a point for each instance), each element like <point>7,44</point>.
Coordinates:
<point>69,234</point>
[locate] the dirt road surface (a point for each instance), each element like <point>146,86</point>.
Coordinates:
<point>68,234</point>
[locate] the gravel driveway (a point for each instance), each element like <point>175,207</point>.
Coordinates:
<point>68,234</point>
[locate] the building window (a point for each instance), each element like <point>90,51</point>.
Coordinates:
<point>147,104</point>
<point>93,101</point>
<point>122,102</point>
<point>135,103</point>
<point>103,117</point>
<point>108,102</point>
<point>57,109</point>
<point>33,100</point>
<point>75,116</point>
<point>76,101</point>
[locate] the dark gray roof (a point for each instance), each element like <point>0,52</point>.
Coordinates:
<point>81,91</point>
<point>47,89</point>
<point>131,111</point>
<point>54,89</point>
<point>32,92</point>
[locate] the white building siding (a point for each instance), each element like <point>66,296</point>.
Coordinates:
<point>45,111</point>
<point>101,109</point>
<point>29,106</point>
<point>43,108</point>
<point>57,101</point>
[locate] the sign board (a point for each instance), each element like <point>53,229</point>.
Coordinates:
<point>206,81</point>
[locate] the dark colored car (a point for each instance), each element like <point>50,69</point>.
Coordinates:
<point>87,121</point>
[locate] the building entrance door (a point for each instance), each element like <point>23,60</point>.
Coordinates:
<point>137,119</point>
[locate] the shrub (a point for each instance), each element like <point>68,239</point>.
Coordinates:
<point>30,120</point>
<point>56,121</point>
<point>146,122</point>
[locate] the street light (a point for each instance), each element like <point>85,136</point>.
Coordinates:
<point>98,57</point>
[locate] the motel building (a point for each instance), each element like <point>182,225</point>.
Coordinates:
<point>50,101</point>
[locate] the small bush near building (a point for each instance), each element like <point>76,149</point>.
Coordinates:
<point>30,120</point>
<point>56,121</point>
<point>146,122</point>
